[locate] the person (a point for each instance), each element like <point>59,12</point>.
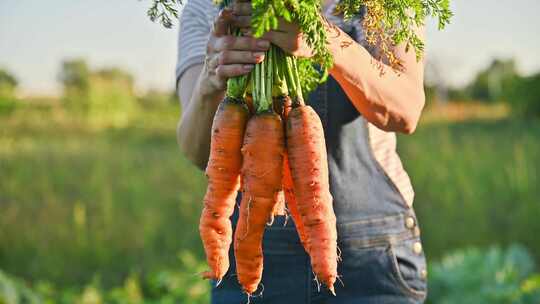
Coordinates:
<point>381,256</point>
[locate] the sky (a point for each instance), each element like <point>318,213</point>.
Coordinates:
<point>36,35</point>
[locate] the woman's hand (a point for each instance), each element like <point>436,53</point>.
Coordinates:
<point>287,36</point>
<point>229,56</point>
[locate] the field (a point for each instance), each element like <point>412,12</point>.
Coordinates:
<point>476,183</point>
<point>80,202</point>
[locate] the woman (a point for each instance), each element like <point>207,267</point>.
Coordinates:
<point>381,254</point>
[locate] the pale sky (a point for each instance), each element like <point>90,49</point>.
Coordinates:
<point>35,35</point>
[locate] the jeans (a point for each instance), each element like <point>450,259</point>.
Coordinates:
<point>381,262</point>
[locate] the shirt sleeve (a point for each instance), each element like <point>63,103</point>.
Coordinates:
<point>196,19</point>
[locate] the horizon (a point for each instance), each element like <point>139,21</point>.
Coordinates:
<point>148,51</point>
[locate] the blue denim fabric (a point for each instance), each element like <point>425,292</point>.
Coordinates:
<point>377,265</point>
<point>378,234</point>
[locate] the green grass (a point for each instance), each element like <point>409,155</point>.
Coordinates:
<point>80,201</point>
<point>75,201</point>
<point>477,183</point>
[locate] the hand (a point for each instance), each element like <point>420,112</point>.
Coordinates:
<point>229,56</point>
<point>287,36</point>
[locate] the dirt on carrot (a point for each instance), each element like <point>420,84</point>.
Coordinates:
<point>262,167</point>
<point>223,172</point>
<point>309,167</point>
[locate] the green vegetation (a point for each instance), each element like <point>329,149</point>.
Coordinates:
<point>476,183</point>
<point>91,208</point>
<point>492,276</point>
<point>8,85</point>
<point>166,287</point>
<point>97,205</point>
<point>492,82</point>
<point>98,96</point>
<point>499,277</point>
<point>524,95</point>
<point>76,200</point>
<point>499,82</point>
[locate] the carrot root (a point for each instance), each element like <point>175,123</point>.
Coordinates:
<point>309,168</point>
<point>223,172</point>
<point>262,152</point>
<point>288,189</point>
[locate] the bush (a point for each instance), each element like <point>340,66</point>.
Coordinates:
<point>524,96</point>
<point>491,83</point>
<point>476,183</point>
<point>7,105</point>
<point>181,285</point>
<point>466,276</point>
<point>157,99</point>
<point>103,97</point>
<point>8,84</point>
<point>491,276</point>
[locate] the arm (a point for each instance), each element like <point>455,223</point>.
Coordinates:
<point>193,130</point>
<point>202,86</point>
<point>392,102</point>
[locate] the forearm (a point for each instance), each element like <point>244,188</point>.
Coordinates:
<point>392,101</point>
<point>194,128</point>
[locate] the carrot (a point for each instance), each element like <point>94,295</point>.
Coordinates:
<point>223,172</point>
<point>309,169</point>
<point>290,199</point>
<point>249,103</point>
<point>262,152</point>
<point>283,106</point>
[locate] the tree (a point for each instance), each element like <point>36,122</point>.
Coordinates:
<point>75,78</point>
<point>523,95</point>
<point>102,96</point>
<point>8,84</point>
<point>491,83</point>
<point>111,96</point>
<point>155,98</point>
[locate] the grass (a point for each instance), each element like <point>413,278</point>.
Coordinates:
<point>76,201</point>
<point>476,182</point>
<point>79,201</point>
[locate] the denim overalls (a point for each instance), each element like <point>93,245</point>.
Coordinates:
<point>381,255</point>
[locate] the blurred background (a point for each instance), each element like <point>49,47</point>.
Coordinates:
<point>97,205</point>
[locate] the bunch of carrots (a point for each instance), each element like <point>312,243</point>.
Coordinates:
<point>267,143</point>
<point>264,144</point>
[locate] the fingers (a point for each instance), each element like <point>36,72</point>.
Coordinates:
<point>230,56</point>
<point>238,16</point>
<point>290,42</point>
<point>222,22</point>
<point>242,8</point>
<point>240,44</point>
<point>242,15</point>
<point>242,21</point>
<point>220,73</point>
<point>233,57</point>
<point>233,70</point>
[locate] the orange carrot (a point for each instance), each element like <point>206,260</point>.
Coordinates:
<point>283,106</point>
<point>223,172</point>
<point>249,103</point>
<point>262,152</point>
<point>307,159</point>
<point>288,189</point>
